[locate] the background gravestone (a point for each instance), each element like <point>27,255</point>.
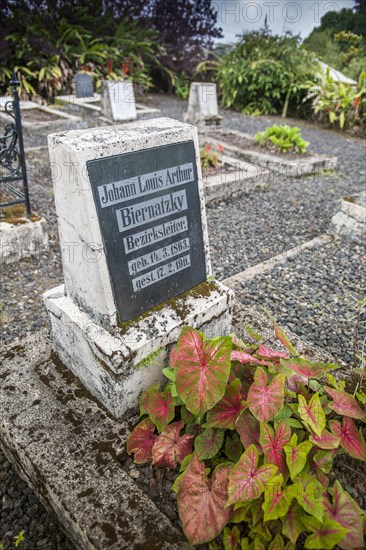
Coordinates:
<point>132,223</point>
<point>84,85</point>
<point>202,105</point>
<point>118,100</point>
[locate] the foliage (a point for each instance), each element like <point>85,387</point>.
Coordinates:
<point>210,156</point>
<point>263,74</point>
<point>181,85</point>
<point>19,539</point>
<point>340,40</point>
<point>344,105</point>
<point>48,42</point>
<point>254,440</point>
<point>283,138</point>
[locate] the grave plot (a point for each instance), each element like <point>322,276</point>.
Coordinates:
<point>40,120</point>
<point>230,178</point>
<point>244,146</point>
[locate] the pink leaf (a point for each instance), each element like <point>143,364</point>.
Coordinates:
<point>267,353</point>
<point>144,399</point>
<point>161,407</point>
<point>245,358</point>
<point>345,404</point>
<point>202,368</point>
<point>306,368</point>
<point>248,429</point>
<point>273,444</point>
<point>141,441</point>
<point>247,481</point>
<point>345,510</point>
<point>227,411</point>
<point>327,440</point>
<point>352,441</point>
<point>266,400</point>
<point>202,502</point>
<point>170,448</point>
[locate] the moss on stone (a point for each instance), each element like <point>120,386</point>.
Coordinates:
<point>149,359</point>
<point>178,305</point>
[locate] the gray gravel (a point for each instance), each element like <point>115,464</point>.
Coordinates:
<point>309,294</point>
<point>315,294</point>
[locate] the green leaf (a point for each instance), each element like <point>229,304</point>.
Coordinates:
<point>308,493</point>
<point>276,499</point>
<point>208,443</point>
<point>233,447</point>
<point>312,413</point>
<point>170,374</point>
<point>19,539</point>
<point>292,523</point>
<point>231,538</point>
<point>296,455</point>
<point>325,535</point>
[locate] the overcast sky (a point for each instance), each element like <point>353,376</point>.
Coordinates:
<point>300,16</point>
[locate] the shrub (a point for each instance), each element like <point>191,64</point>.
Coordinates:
<point>263,74</point>
<point>342,104</point>
<point>253,433</point>
<point>283,138</point>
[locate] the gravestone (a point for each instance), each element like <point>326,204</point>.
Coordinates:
<point>135,255</point>
<point>84,85</point>
<point>118,100</point>
<point>202,105</point>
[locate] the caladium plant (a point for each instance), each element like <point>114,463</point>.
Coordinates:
<point>252,434</point>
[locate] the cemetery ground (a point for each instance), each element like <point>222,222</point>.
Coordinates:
<point>312,293</point>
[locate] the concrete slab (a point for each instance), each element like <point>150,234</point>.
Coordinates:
<point>91,106</point>
<point>65,446</point>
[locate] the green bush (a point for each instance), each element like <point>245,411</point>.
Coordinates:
<point>341,104</point>
<point>283,138</point>
<point>264,74</point>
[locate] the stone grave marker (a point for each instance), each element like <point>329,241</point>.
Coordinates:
<point>118,100</point>
<point>202,105</point>
<point>84,85</point>
<point>135,254</point>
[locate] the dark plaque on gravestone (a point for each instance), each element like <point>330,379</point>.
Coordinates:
<point>84,85</point>
<point>150,219</point>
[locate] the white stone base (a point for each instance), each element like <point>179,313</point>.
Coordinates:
<point>117,366</point>
<point>351,218</point>
<point>23,240</point>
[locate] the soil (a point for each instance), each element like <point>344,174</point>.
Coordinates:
<point>244,143</point>
<point>37,115</point>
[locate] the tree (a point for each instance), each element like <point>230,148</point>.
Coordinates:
<point>186,29</point>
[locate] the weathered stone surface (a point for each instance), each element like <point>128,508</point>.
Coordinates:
<point>118,100</point>
<point>350,220</point>
<point>117,365</point>
<point>23,240</point>
<point>65,446</point>
<point>202,105</point>
<point>85,269</point>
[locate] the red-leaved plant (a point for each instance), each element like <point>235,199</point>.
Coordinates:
<point>254,433</point>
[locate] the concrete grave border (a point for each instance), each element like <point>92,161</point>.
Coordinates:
<point>350,220</point>
<point>291,168</point>
<point>22,240</point>
<point>91,106</point>
<point>226,184</point>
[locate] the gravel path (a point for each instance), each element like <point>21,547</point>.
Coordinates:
<point>308,294</point>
